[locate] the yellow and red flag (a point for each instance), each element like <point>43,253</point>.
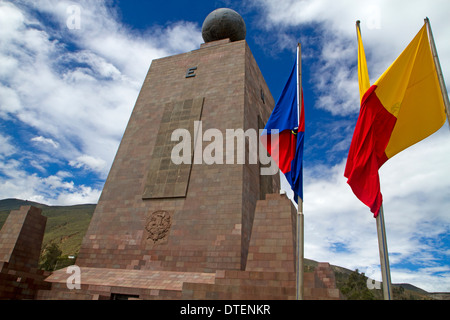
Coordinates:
<point>363,73</point>
<point>403,107</point>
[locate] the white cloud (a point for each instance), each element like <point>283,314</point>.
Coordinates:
<point>426,278</point>
<point>83,95</point>
<point>385,34</point>
<point>10,101</point>
<point>45,141</point>
<point>89,162</point>
<point>6,148</point>
<point>53,190</point>
<point>83,195</point>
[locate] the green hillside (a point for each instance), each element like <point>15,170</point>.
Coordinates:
<point>66,225</point>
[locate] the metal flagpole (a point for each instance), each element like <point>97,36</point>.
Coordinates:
<point>382,243</point>
<point>300,251</point>
<point>300,217</point>
<point>384,256</point>
<point>438,70</point>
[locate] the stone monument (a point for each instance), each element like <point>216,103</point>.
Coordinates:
<point>20,246</point>
<point>209,226</point>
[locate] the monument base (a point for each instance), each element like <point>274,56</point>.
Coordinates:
<point>269,272</point>
<point>112,284</point>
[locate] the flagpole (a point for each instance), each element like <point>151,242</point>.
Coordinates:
<point>381,230</point>
<point>300,250</point>
<point>300,216</point>
<point>438,70</point>
<point>384,256</point>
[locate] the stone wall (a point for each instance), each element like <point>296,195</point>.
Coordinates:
<point>20,247</point>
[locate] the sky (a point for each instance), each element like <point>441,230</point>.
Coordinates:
<point>70,73</point>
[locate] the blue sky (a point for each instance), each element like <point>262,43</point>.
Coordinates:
<point>66,95</point>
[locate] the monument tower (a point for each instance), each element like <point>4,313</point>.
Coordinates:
<point>166,229</point>
<point>156,214</point>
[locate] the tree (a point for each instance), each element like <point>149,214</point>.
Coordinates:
<point>51,255</point>
<point>356,287</point>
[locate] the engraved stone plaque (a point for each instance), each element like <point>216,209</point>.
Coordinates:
<point>166,179</point>
<point>157,225</point>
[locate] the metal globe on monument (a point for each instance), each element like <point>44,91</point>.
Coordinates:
<point>223,23</point>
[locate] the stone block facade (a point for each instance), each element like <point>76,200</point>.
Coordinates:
<point>20,247</point>
<point>269,274</point>
<point>206,210</point>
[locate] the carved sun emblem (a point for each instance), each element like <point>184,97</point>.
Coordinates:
<point>158,225</point>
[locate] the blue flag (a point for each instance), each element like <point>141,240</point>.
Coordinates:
<point>286,145</point>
